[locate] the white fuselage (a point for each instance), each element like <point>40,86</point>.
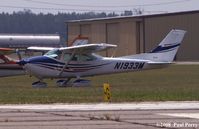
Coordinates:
<point>75,69</point>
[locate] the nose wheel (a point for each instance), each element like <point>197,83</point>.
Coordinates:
<point>39,84</point>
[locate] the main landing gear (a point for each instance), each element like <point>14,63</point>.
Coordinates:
<point>39,84</point>
<point>75,83</point>
<point>64,83</point>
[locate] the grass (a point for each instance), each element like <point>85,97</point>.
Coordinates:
<point>177,82</point>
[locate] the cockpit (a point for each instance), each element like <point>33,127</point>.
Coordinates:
<point>66,56</point>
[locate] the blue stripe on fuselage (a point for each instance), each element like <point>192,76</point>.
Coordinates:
<point>50,62</point>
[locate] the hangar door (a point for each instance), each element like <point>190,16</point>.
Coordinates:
<point>85,30</point>
<point>73,32</point>
<point>112,36</point>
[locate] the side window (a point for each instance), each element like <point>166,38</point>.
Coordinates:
<point>82,58</point>
<point>78,57</point>
<point>75,58</point>
<point>85,57</point>
<point>66,56</point>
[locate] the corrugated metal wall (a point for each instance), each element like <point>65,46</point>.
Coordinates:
<point>86,31</point>
<point>119,32</point>
<point>128,37</point>
<point>73,32</point>
<point>141,34</point>
<point>98,32</point>
<point>112,36</point>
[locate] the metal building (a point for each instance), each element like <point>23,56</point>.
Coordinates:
<point>27,40</point>
<point>138,34</point>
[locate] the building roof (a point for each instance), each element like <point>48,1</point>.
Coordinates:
<point>135,16</point>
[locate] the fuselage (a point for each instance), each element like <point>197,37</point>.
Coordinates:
<point>48,67</point>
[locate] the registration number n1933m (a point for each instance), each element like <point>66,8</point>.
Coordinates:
<point>129,65</point>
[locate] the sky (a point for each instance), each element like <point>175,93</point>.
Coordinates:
<point>118,6</point>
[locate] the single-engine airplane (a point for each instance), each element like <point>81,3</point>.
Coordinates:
<point>81,61</point>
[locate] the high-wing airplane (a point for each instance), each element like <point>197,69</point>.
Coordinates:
<point>9,66</point>
<point>81,61</point>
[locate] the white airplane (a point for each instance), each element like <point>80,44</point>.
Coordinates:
<point>81,61</point>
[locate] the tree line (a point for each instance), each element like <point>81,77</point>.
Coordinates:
<point>26,22</point>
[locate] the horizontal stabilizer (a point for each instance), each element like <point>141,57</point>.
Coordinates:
<point>158,63</point>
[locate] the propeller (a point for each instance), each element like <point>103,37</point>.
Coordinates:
<point>18,54</point>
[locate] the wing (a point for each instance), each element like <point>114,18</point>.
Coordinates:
<point>85,48</point>
<point>88,48</point>
<point>40,48</point>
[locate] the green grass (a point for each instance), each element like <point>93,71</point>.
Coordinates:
<point>177,82</point>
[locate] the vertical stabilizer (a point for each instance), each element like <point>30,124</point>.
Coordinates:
<point>166,50</point>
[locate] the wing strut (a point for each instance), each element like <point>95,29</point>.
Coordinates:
<point>66,64</point>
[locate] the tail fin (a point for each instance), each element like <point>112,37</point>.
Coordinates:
<point>166,50</point>
<point>170,42</point>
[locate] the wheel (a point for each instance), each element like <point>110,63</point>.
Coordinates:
<point>81,83</point>
<point>39,84</point>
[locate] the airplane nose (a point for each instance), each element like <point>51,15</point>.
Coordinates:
<point>23,62</point>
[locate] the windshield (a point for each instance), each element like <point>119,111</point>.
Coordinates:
<point>53,53</point>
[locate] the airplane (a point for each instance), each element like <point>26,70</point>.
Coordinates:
<point>9,66</point>
<point>79,61</point>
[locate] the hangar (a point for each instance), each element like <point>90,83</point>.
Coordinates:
<point>138,34</point>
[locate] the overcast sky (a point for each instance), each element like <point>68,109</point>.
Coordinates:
<point>55,6</point>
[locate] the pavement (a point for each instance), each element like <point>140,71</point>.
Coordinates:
<point>145,115</point>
